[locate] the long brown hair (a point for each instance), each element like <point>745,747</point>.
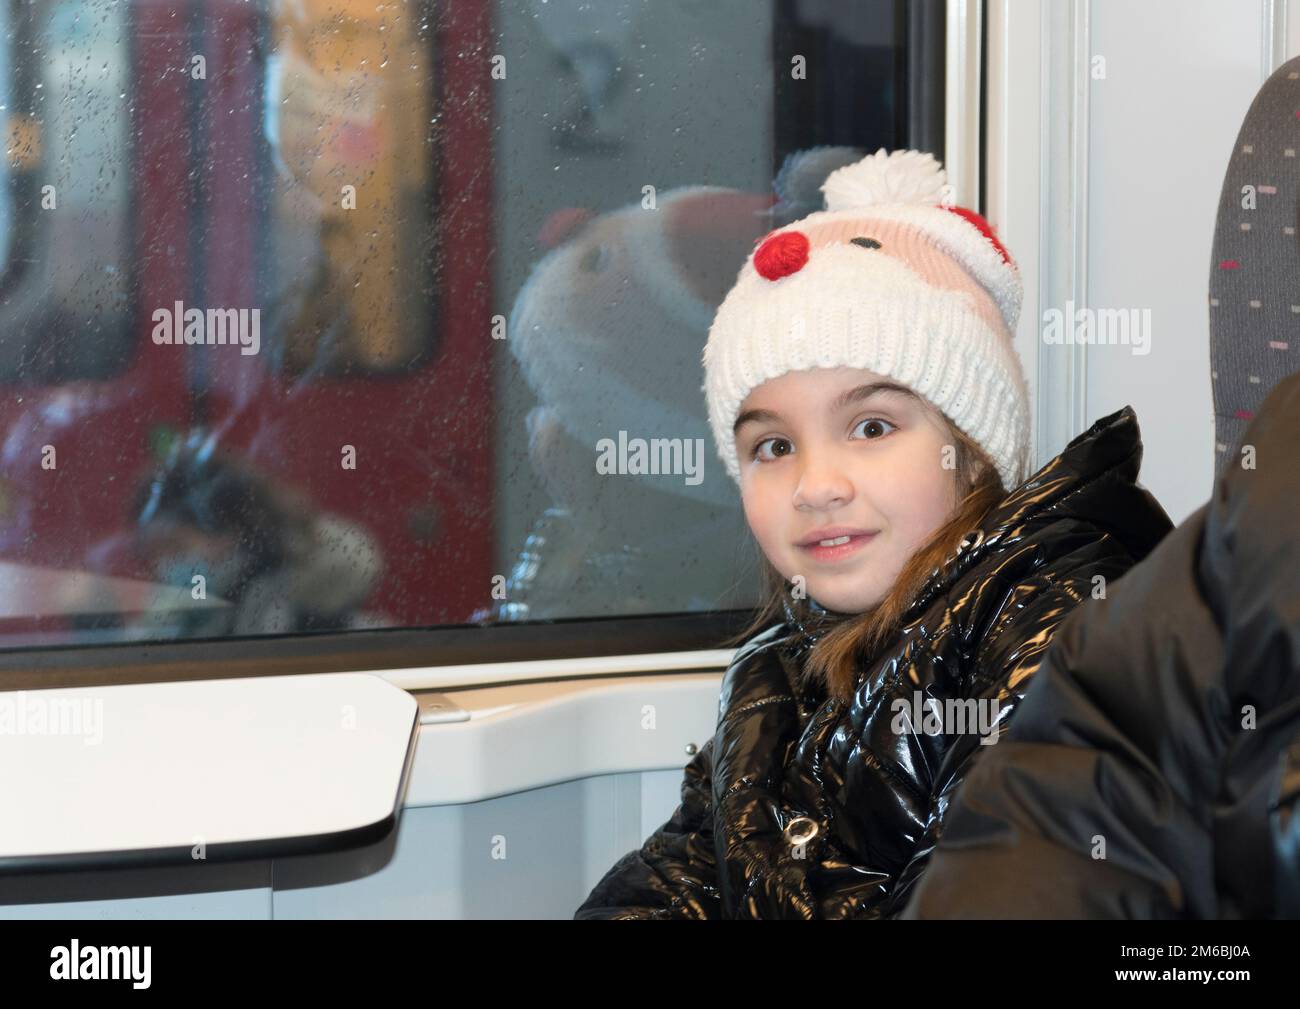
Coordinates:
<point>836,659</point>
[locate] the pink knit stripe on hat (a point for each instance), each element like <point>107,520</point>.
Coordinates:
<point>911,246</point>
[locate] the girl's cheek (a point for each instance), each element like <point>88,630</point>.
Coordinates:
<point>754,515</point>
<point>922,499</point>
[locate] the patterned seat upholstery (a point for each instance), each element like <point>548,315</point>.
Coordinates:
<point>1255,266</point>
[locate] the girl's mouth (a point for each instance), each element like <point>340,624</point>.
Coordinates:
<point>840,546</point>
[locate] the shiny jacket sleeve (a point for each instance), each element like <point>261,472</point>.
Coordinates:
<point>674,874</point>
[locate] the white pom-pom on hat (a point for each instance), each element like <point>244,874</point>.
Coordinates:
<point>886,177</point>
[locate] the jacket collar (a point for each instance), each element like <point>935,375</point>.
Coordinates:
<point>1088,473</point>
<point>812,624</point>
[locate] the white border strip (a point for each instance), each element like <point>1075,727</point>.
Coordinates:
<point>1081,125</point>
<point>1037,190</point>
<point>1281,35</point>
<point>1272,36</point>
<point>469,674</point>
<point>961,138</point>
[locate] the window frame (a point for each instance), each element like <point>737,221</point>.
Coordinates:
<point>599,647</point>
<point>442,656</point>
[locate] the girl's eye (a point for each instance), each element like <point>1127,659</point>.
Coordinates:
<point>757,453</point>
<point>875,421</point>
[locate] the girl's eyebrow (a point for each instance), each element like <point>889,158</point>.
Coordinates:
<point>854,395</point>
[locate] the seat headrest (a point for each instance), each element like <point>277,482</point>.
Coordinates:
<point>1255,266</point>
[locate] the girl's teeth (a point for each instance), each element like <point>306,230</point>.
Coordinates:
<point>835,542</point>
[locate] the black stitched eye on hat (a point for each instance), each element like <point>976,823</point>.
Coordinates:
<point>866,243</point>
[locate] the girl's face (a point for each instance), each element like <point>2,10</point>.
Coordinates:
<point>843,447</point>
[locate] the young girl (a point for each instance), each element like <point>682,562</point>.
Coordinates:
<point>865,396</point>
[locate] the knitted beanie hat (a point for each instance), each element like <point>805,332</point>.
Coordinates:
<point>889,279</point>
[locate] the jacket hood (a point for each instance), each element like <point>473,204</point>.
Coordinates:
<point>1094,479</point>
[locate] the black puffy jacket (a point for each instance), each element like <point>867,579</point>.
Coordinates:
<point>803,806</point>
<point>1153,771</point>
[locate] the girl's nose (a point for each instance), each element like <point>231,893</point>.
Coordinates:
<point>822,484</point>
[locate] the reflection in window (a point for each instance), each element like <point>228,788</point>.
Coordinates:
<point>611,295</point>
<point>348,104</point>
<point>342,303</point>
<point>6,101</point>
<point>66,200</point>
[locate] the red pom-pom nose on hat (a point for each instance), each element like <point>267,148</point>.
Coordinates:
<point>782,255</point>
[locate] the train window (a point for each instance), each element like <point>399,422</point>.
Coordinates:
<point>359,316</point>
